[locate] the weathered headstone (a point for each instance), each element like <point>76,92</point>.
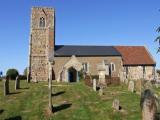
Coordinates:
<point>102,77</point>
<point>131,86</point>
<point>94,85</point>
<point>6,86</point>
<point>148,85</point>
<point>148,105</point>
<point>115,104</point>
<point>101,90</point>
<point>17,83</point>
<point>126,81</point>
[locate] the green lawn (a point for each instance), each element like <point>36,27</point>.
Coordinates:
<point>74,101</point>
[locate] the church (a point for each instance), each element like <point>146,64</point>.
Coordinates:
<point>125,62</point>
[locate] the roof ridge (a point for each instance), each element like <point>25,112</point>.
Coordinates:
<point>128,46</point>
<point>103,45</point>
<point>88,45</point>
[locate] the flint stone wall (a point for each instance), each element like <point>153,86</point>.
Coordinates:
<point>41,43</point>
<point>93,62</point>
<point>136,72</point>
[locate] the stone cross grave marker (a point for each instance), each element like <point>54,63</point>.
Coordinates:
<point>17,83</point>
<point>101,73</point>
<point>6,86</point>
<point>131,86</point>
<point>115,104</point>
<point>94,85</point>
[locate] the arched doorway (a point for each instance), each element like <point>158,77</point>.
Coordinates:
<point>72,75</point>
<point>69,72</point>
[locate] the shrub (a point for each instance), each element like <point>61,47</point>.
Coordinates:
<point>88,80</point>
<point>22,77</point>
<point>158,71</point>
<point>12,73</point>
<point>81,75</point>
<point>95,77</point>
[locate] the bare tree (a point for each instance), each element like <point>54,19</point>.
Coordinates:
<point>158,39</point>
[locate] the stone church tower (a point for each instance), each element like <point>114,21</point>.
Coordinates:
<point>42,39</point>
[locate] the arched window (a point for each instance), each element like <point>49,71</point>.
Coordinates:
<point>113,68</point>
<point>42,22</point>
<point>85,67</point>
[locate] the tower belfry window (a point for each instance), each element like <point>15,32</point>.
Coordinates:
<point>42,22</point>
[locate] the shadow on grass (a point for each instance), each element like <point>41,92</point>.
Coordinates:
<point>58,93</point>
<point>13,93</point>
<point>1,111</point>
<point>24,88</point>
<point>60,107</point>
<point>14,118</point>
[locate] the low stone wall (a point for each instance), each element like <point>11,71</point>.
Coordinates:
<point>113,81</point>
<point>109,80</point>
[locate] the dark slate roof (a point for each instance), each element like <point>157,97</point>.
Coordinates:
<point>69,50</point>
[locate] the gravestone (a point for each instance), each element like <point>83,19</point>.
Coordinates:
<point>102,77</point>
<point>131,86</point>
<point>6,86</point>
<point>94,85</point>
<point>17,83</point>
<point>148,85</point>
<point>148,105</point>
<point>126,81</point>
<point>115,104</point>
<point>101,90</point>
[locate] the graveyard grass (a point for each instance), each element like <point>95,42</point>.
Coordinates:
<point>74,101</point>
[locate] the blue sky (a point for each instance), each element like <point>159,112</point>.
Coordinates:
<point>80,22</point>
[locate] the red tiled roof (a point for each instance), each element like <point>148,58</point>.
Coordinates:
<point>135,55</point>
